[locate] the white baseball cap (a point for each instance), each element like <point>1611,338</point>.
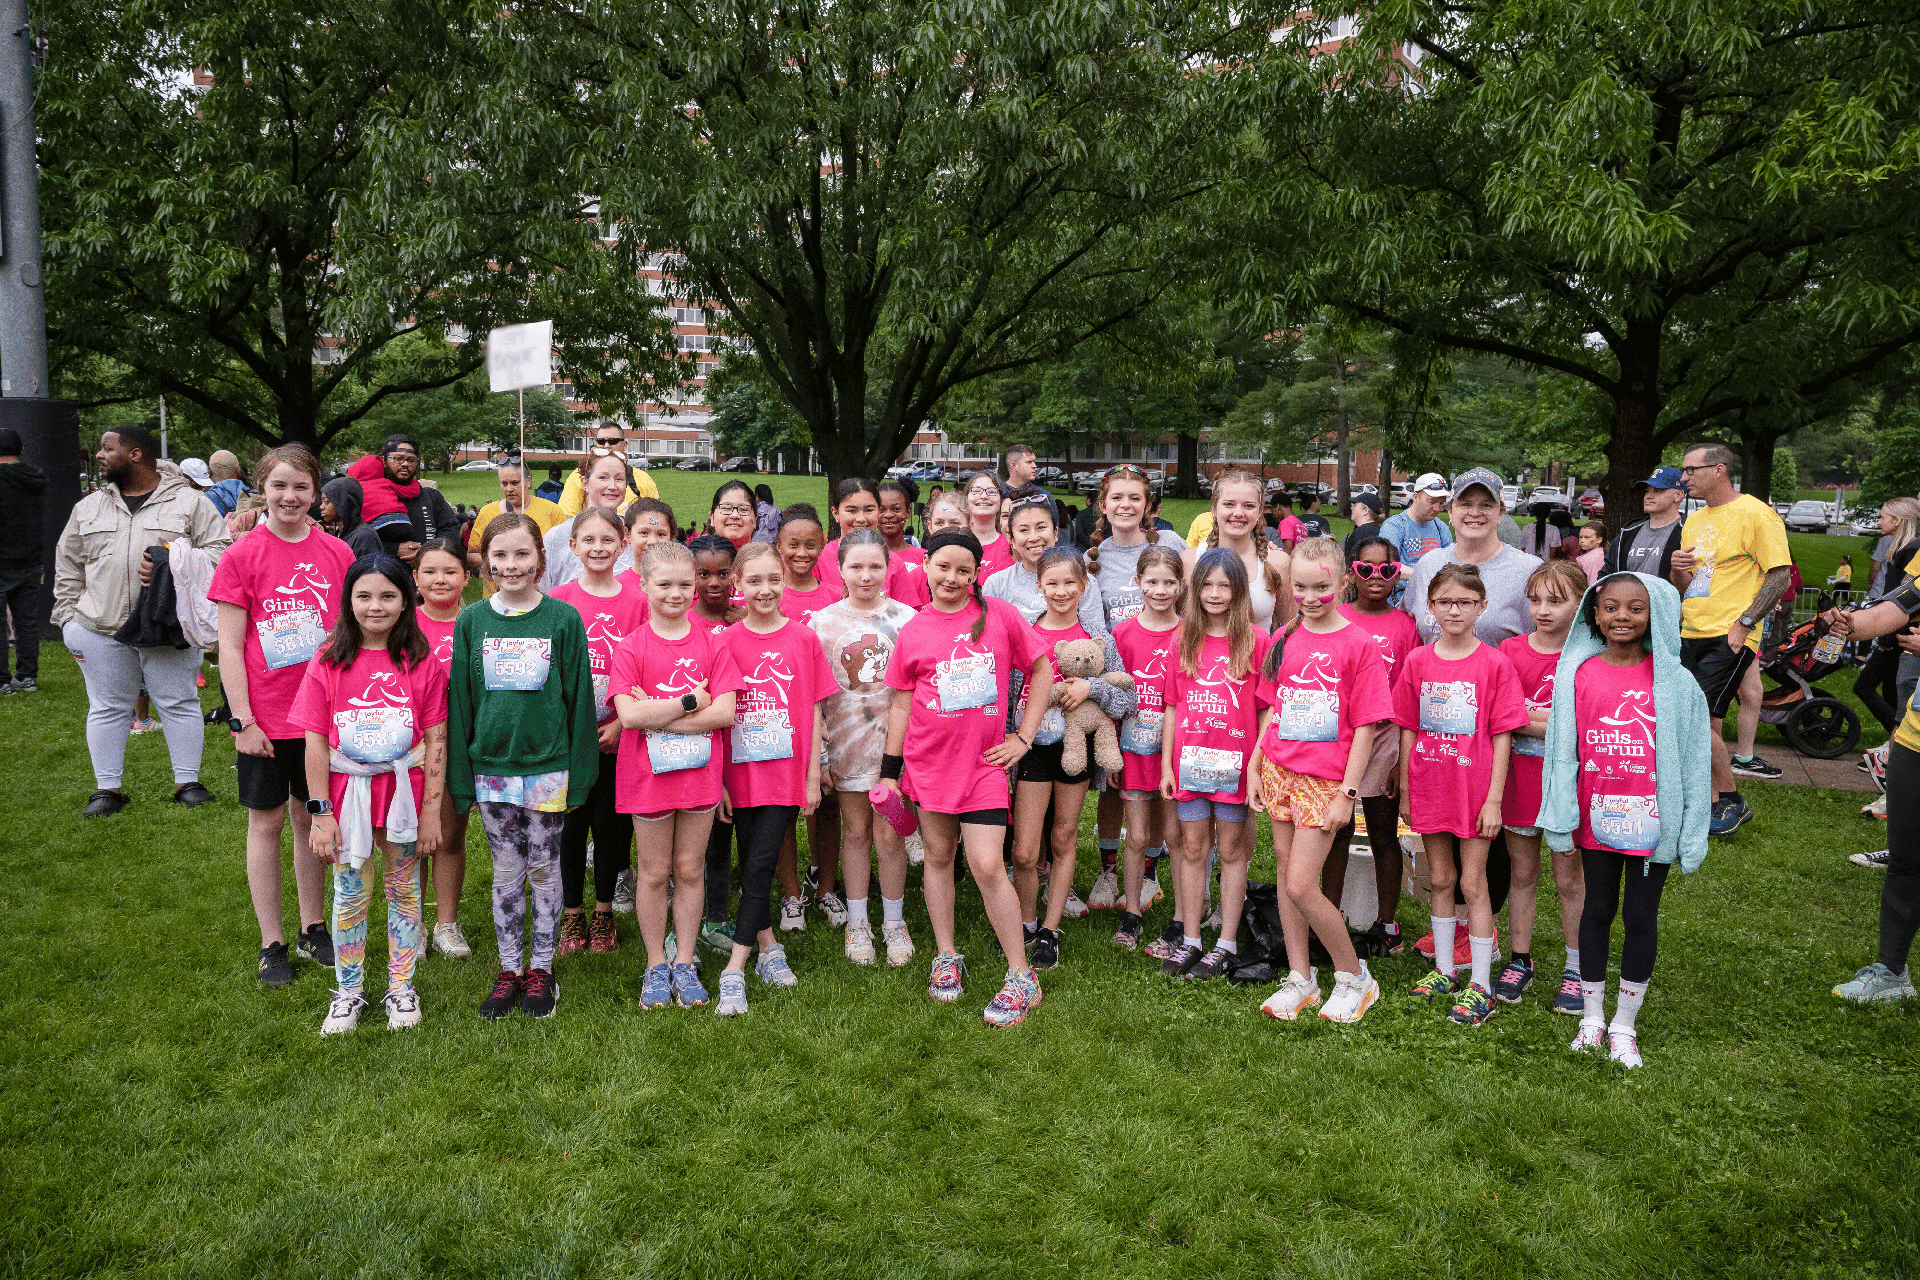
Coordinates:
<point>196,470</point>
<point>1434,485</point>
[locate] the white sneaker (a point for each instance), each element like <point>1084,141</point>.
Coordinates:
<point>899,945</point>
<point>449,941</point>
<point>1623,1047</point>
<point>1591,1039</point>
<point>1075,908</point>
<point>834,904</point>
<point>860,942</point>
<point>1295,996</point>
<point>793,915</point>
<point>1877,860</point>
<point>733,993</point>
<point>1106,892</point>
<point>1353,995</point>
<point>1150,893</point>
<point>623,892</point>
<point>916,850</point>
<point>343,1014</point>
<point>403,1008</point>
<point>1877,809</point>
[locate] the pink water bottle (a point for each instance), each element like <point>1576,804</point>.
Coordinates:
<point>894,810</point>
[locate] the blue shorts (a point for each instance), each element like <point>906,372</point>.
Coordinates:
<point>1201,810</point>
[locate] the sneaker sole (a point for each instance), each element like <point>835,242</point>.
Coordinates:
<point>943,997</point>
<point>1283,1015</point>
<point>1367,1001</point>
<point>864,959</point>
<point>1515,998</point>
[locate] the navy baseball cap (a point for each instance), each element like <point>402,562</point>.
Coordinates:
<point>1480,476</point>
<point>1662,478</point>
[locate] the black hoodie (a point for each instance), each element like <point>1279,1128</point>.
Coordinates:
<point>23,507</point>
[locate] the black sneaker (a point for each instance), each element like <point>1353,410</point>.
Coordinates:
<point>505,994</point>
<point>1374,942</point>
<point>24,686</point>
<point>104,803</point>
<point>1168,942</point>
<point>1044,951</point>
<point>275,969</point>
<point>192,794</point>
<point>316,944</point>
<point>1729,814</point>
<point>1184,957</point>
<point>541,994</point>
<point>1512,982</point>
<point>1754,767</point>
<point>1127,936</point>
<point>1030,931</point>
<point>1212,965</point>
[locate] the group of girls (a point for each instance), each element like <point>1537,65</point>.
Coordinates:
<point>715,694</point>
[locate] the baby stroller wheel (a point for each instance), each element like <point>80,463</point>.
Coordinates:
<point>1823,728</point>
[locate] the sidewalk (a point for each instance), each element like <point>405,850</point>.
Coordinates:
<point>1797,770</point>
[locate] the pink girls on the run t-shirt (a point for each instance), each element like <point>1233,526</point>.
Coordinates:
<point>1148,656</point>
<point>439,638</point>
<point>1455,708</point>
<point>372,711</point>
<point>659,770</point>
<point>783,677</point>
<point>959,708</point>
<point>1053,722</point>
<point>291,592</point>
<point>1328,685</point>
<point>1520,807</point>
<point>1216,721</point>
<point>1613,725</point>
<point>609,620</point>
<point>800,606</point>
<point>995,556</point>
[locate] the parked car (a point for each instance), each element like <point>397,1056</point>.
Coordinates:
<point>1400,494</point>
<point>695,464</point>
<point>1509,495</point>
<point>1868,524</point>
<point>1050,475</point>
<point>899,472</point>
<point>1808,516</point>
<point>1592,503</point>
<point>741,463</point>
<point>923,473</point>
<point>1547,493</point>
<point>478,464</point>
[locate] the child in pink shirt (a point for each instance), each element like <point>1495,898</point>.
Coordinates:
<point>441,575</point>
<point>1147,642</point>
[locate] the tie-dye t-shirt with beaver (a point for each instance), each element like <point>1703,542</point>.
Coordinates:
<point>858,644</point>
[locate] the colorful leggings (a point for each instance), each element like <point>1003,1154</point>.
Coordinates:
<point>352,896</point>
<point>526,852</point>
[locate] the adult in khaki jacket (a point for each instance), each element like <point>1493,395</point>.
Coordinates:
<point>99,568</point>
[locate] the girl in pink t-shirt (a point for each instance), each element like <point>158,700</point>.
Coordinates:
<point>1147,642</point>
<point>799,543</point>
<point>857,505</point>
<point>611,610</point>
<point>1457,703</point>
<point>1325,688</point>
<point>947,741</point>
<point>716,598</point>
<point>1206,742</point>
<point>906,563</point>
<point>441,575</point>
<point>773,770</point>
<point>673,690</point>
<point>1553,597</point>
<point>803,594</point>
<point>981,498</point>
<point>373,707</point>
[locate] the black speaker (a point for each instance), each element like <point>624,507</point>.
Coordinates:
<point>50,439</point>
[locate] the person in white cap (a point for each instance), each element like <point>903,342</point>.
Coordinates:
<point>1418,529</point>
<point>195,471</point>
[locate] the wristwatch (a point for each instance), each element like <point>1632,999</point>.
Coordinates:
<point>1351,793</point>
<point>237,725</point>
<point>320,808</point>
<point>1747,622</point>
<point>688,703</point>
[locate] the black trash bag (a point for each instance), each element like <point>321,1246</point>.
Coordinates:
<point>1262,953</point>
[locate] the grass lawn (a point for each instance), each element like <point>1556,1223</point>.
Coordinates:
<point>167,1116</point>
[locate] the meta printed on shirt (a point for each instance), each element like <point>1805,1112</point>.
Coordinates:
<point>372,712</point>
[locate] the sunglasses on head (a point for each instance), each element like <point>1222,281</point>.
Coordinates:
<point>1369,570</point>
<point>1123,469</point>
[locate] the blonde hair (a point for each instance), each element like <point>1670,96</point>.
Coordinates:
<point>1261,547</point>
<point>1321,551</point>
<point>1560,578</point>
<point>1907,512</point>
<point>948,499</point>
<point>1193,618</point>
<point>660,554</point>
<point>753,551</point>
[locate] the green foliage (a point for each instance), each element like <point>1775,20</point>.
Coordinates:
<point>750,418</point>
<point>1786,476</point>
<point>1895,471</point>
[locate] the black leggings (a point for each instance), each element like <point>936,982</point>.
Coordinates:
<point>1878,689</point>
<point>612,833</point>
<point>1900,895</point>
<point>1645,879</point>
<point>719,883</point>
<point>761,831</point>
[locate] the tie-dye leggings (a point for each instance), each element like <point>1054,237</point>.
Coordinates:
<point>526,864</point>
<point>352,896</point>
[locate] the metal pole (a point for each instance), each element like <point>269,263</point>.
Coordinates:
<point>163,428</point>
<point>23,315</point>
<point>523,427</point>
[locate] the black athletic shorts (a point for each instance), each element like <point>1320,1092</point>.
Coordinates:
<point>1717,667</point>
<point>265,781</point>
<point>1042,764</point>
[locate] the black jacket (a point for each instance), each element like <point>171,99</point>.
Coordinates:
<point>23,509</point>
<point>1617,549</point>
<point>155,620</point>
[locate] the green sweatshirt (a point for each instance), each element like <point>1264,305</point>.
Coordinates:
<point>537,716</point>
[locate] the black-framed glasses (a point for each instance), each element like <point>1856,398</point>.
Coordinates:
<point>1705,466</point>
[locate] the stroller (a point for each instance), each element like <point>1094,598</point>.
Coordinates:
<point>1815,723</point>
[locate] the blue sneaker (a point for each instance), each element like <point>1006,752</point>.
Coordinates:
<point>687,990</point>
<point>1569,998</point>
<point>1877,984</point>
<point>1730,813</point>
<point>656,987</point>
<point>773,969</point>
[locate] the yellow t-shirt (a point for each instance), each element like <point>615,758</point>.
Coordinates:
<point>544,513</point>
<point>1907,732</point>
<point>572,498</point>
<point>1737,543</point>
<point>1202,526</point>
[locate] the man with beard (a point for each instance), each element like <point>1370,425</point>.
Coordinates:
<point>428,512</point>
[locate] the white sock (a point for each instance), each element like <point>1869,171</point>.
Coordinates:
<point>1594,994</point>
<point>1443,944</point>
<point>1029,925</point>
<point>1573,960</point>
<point>1192,941</point>
<point>1627,1007</point>
<point>1482,961</point>
<point>892,910</point>
<point>857,910</point>
<point>1228,946</point>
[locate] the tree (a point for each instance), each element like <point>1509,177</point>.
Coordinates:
<point>1700,211</point>
<point>218,222</point>
<point>749,417</point>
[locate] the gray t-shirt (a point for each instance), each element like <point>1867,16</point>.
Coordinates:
<point>1117,568</point>
<point>1506,577</point>
<point>1643,554</point>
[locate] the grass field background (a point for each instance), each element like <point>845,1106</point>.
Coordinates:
<point>167,1116</point>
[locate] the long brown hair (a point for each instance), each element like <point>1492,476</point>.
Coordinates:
<point>1261,547</point>
<point>1193,619</point>
<point>406,643</point>
<point>964,539</point>
<point>1101,529</point>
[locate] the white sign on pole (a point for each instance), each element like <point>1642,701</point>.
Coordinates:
<point>520,356</point>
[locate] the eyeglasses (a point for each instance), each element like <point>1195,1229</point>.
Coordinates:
<point>403,453</point>
<point>732,509</point>
<point>1453,606</point>
<point>1122,469</point>
<point>1369,570</point>
<point>1705,466</point>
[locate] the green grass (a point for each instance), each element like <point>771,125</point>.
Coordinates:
<point>166,1116</point>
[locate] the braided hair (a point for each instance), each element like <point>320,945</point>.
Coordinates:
<point>1101,528</point>
<point>964,539</point>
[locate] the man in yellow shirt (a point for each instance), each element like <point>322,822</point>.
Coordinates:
<point>1733,567</point>
<point>513,497</point>
<point>608,441</point>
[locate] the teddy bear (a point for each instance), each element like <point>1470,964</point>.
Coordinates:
<point>1086,660</point>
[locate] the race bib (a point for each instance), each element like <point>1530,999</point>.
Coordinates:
<point>290,638</point>
<point>374,735</point>
<point>602,695</point>
<point>1524,746</point>
<point>1447,706</point>
<point>1308,715</point>
<point>515,662</point>
<point>1701,583</point>
<point>1122,605</point>
<point>964,683</point>
<point>1140,733</point>
<point>1053,728</point>
<point>1630,824</point>
<point>762,735</point>
<point>1212,770</point>
<point>672,752</point>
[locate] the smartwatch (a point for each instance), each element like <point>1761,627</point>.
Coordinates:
<point>688,703</point>
<point>236,724</point>
<point>1351,793</point>
<point>320,808</point>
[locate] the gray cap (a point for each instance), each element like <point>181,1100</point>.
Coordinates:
<point>1478,476</point>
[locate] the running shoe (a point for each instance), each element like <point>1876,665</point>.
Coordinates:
<point>540,994</point>
<point>916,850</point>
<point>834,904</point>
<point>1045,951</point>
<point>949,972</point>
<point>1569,998</point>
<point>1212,965</point>
<point>343,1013</point>
<point>1874,764</point>
<point>1437,984</point>
<point>810,882</point>
<point>403,1008</point>
<point>1353,995</point>
<point>1027,932</point>
<point>773,969</point>
<point>449,941</point>
<point>623,892</point>
<point>899,942</point>
<point>1299,993</point>
<point>1877,984</point>
<point>687,991</point>
<point>1623,1047</point>
<point>1017,998</point>
<point>733,993</point>
<point>1755,767</point>
<point>1169,940</point>
<point>656,987</point>
<point>505,994</point>
<point>1150,893</point>
<point>1729,814</point>
<point>1592,1037</point>
<point>601,935</point>
<point>1875,808</point>
<point>1462,949</point>
<point>1075,908</point>
<point>28,685</point>
<point>1106,892</point>
<point>573,934</point>
<point>1127,936</point>
<point>275,969</point>
<point>860,942</point>
<point>1513,981</point>
<point>1473,1006</point>
<point>316,944</point>
<point>793,915</point>
<point>1877,859</point>
<point>717,937</point>
<point>147,725</point>
<point>1184,957</point>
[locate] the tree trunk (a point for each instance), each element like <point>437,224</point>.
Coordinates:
<point>1186,480</point>
<point>1631,454</point>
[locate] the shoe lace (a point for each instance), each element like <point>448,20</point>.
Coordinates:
<point>538,983</point>
<point>344,1003</point>
<point>506,984</point>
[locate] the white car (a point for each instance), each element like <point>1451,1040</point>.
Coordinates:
<point>898,473</point>
<point>1547,493</point>
<point>1509,495</point>
<point>478,464</point>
